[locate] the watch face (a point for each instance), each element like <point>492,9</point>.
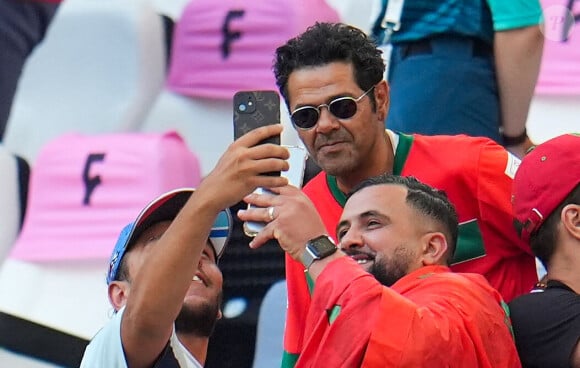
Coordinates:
<point>322,246</point>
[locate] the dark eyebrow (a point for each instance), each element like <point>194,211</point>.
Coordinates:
<point>339,225</point>
<point>373,213</point>
<point>363,216</point>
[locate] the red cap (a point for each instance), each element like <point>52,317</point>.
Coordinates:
<point>546,176</point>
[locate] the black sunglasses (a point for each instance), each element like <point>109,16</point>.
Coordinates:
<point>306,117</point>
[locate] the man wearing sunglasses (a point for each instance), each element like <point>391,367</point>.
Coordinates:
<point>331,78</point>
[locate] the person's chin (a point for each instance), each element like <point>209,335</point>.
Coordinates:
<point>368,266</point>
<point>197,318</point>
<point>335,163</point>
<point>193,300</point>
<point>365,264</point>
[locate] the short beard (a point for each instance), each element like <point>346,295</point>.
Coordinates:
<point>387,271</point>
<point>198,320</point>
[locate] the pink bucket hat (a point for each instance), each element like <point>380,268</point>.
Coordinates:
<point>221,47</point>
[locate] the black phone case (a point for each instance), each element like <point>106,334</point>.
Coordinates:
<point>253,109</point>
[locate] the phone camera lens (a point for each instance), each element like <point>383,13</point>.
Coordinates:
<point>242,107</point>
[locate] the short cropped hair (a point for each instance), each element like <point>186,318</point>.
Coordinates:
<point>426,200</point>
<point>543,242</point>
<point>324,43</point>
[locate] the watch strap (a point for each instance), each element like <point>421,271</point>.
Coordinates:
<point>514,141</point>
<point>317,248</point>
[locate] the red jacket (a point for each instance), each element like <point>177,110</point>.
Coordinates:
<point>477,175</point>
<point>429,318</point>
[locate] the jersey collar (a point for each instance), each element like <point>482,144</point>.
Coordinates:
<point>401,146</point>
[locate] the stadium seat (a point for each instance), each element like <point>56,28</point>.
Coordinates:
<point>269,337</point>
<point>220,48</point>
<point>83,190</point>
<point>209,141</point>
<point>13,195</point>
<point>11,359</point>
<point>98,70</point>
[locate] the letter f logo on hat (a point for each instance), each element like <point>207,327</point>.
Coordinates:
<point>229,35</point>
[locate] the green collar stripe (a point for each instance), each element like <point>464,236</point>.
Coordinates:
<point>336,193</point>
<point>289,360</point>
<point>401,154</point>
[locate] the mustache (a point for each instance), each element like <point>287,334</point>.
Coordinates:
<point>340,135</point>
<point>357,253</point>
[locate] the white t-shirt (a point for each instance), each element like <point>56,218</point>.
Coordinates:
<point>106,350</point>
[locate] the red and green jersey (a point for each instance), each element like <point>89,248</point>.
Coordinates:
<point>477,175</point>
<point>429,318</point>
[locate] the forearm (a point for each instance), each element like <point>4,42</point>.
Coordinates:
<point>575,358</point>
<point>157,292</point>
<point>518,54</point>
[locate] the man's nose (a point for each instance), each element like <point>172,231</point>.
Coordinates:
<point>351,240</point>
<point>326,121</point>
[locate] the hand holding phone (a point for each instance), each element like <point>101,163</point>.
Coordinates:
<point>295,176</point>
<point>254,109</point>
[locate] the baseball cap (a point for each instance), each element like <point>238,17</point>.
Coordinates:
<point>166,207</point>
<point>545,177</point>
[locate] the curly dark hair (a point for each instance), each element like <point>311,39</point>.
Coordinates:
<point>324,43</point>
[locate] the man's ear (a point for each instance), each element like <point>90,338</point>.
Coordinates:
<point>382,99</point>
<point>118,294</point>
<point>434,249</point>
<point>219,314</point>
<point>570,218</point>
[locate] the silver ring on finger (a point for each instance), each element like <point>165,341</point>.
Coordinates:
<point>271,213</point>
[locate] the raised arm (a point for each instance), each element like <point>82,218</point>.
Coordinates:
<point>158,292</point>
<point>518,53</point>
<point>575,359</point>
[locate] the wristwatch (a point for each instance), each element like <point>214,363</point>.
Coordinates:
<point>317,248</point>
<point>514,140</point>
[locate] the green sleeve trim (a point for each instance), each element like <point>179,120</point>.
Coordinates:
<point>515,13</point>
<point>507,320</point>
<point>333,314</point>
<point>402,152</point>
<point>469,243</point>
<point>514,23</point>
<point>289,360</point>
<point>309,282</point>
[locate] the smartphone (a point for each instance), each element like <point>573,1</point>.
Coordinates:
<point>254,109</point>
<point>295,176</point>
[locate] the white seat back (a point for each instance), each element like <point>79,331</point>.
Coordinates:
<point>83,190</point>
<point>14,189</point>
<point>270,333</point>
<point>99,69</point>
